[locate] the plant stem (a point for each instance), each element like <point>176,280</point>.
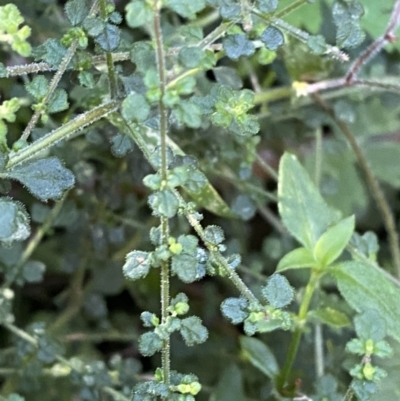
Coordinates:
<point>109,59</point>
<point>160,56</point>
<point>53,86</point>
<point>267,168</point>
<point>35,241</point>
<point>63,132</point>
<point>318,156</point>
<point>302,318</point>
<point>375,188</point>
<point>287,10</point>
<point>349,394</point>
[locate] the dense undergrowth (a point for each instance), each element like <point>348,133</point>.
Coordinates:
<point>199,200</point>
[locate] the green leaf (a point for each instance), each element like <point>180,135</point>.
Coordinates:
<point>370,326</point>
<point>94,26</point>
<point>297,259</point>
<point>267,6</point>
<point>332,243</point>
<point>45,178</point>
<point>121,145</point>
<point>188,113</point>
<point>230,386</point>
<point>58,101</point>
<point>164,203</point>
<point>138,13</point>
<point>278,292</point>
<point>238,45</point>
<point>260,356</point>
<point>302,209</point>
<point>214,234</point>
<point>235,309</point>
<point>33,271</point>
<point>190,57</point>
<point>135,108</point>
<point>192,331</point>
<point>364,287</point>
<point>137,265</point>
<point>150,343</point>
<point>38,87</point>
<point>317,44</point>
<point>272,38</point>
<point>14,221</point>
<point>143,55</point>
<point>187,9</point>
<point>51,51</point>
<point>184,266</point>
<point>3,71</point>
<point>364,389</point>
<point>244,207</point>
<point>6,298</point>
<point>109,38</point>
<point>331,317</point>
<point>76,11</point>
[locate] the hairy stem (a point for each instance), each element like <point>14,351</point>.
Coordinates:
<point>374,186</point>
<point>166,357</point>
<point>63,132</point>
<point>302,317</point>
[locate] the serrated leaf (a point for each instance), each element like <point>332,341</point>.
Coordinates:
<point>184,266</point>
<point>109,38</point>
<point>260,356</point>
<point>94,26</point>
<point>12,215</point>
<point>164,203</point>
<point>364,389</point>
<point>45,178</point>
<point>297,259</point>
<point>137,265</point>
<point>51,51</point>
<point>278,292</point>
<point>188,113</point>
<point>272,38</point>
<point>370,326</point>
<point>135,108</point>
<point>190,57</point>
<point>150,343</point>
<point>364,287</point>
<point>58,101</point>
<point>238,45</point>
<point>192,331</point>
<point>235,309</point>
<point>332,243</point>
<point>187,9</point>
<point>214,234</point>
<point>76,11</point>
<point>302,209</point>
<point>38,87</point>
<point>331,317</point>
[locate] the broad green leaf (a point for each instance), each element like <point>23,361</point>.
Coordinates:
<point>51,51</point>
<point>184,266</point>
<point>135,108</point>
<point>259,355</point>
<point>364,287</point>
<point>278,292</point>
<point>76,11</point>
<point>14,221</point>
<point>109,38</point>
<point>45,178</point>
<point>302,209</point>
<point>138,13</point>
<point>230,386</point>
<point>38,87</point>
<point>332,243</point>
<point>121,145</point>
<point>188,113</point>
<point>331,317</point>
<point>137,265</point>
<point>190,57</point>
<point>297,259</point>
<point>267,6</point>
<point>164,203</point>
<point>192,331</point>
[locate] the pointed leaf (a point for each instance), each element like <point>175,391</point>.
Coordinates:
<point>45,178</point>
<point>260,356</point>
<point>364,287</point>
<point>297,259</point>
<point>303,211</point>
<point>332,243</point>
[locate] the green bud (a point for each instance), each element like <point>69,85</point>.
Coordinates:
<point>181,308</point>
<point>176,249</point>
<point>368,371</point>
<point>369,347</point>
<point>195,388</point>
<point>20,144</point>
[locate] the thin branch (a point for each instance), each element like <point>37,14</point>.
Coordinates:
<point>374,186</point>
<point>372,50</point>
